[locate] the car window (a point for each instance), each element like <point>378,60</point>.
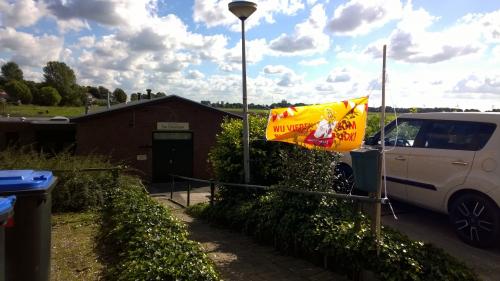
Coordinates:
<point>404,133</point>
<point>484,133</point>
<point>457,135</point>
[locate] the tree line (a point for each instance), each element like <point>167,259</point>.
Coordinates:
<point>58,87</point>
<point>388,109</point>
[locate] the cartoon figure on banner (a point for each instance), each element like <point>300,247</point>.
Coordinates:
<point>323,135</point>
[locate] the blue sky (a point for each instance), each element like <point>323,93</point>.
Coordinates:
<point>440,53</point>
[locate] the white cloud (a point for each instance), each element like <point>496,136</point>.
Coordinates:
<point>114,13</point>
<point>215,12</point>
<point>360,17</point>
<point>255,51</point>
<point>195,74</point>
<point>274,69</point>
<point>487,25</point>
<point>313,62</point>
<point>475,84</point>
<point>30,50</point>
<point>290,79</point>
<point>86,42</point>
<point>21,12</point>
<point>339,75</point>
<point>411,42</point>
<point>308,37</point>
<point>495,53</point>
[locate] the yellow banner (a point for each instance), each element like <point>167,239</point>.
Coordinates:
<point>338,126</point>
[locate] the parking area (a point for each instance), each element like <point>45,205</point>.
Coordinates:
<point>434,228</point>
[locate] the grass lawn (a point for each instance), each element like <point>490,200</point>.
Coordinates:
<point>73,255</point>
<point>30,110</point>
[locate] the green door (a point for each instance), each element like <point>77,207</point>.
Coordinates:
<point>172,154</point>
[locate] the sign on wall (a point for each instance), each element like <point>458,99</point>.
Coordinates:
<point>172,126</point>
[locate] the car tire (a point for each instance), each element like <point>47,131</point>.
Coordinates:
<point>476,219</point>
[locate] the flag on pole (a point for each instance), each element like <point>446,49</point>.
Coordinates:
<point>338,126</point>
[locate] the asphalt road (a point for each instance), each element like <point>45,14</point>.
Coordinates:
<point>435,228</point>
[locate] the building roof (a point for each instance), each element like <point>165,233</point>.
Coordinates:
<point>143,102</point>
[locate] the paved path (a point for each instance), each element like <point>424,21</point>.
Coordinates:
<point>239,258</point>
<point>424,225</point>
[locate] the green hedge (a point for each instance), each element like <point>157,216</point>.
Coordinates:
<point>312,227</point>
<point>146,241</point>
<point>75,191</point>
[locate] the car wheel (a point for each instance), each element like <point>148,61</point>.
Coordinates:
<point>476,219</point>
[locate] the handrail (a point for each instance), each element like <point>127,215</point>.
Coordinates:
<point>91,169</point>
<point>308,192</point>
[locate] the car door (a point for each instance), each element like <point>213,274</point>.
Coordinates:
<point>399,143</point>
<point>399,137</point>
<point>442,161</point>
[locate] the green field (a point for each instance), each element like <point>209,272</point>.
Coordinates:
<point>30,110</point>
<point>251,111</point>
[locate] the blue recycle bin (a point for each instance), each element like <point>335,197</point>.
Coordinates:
<point>6,212</point>
<point>27,242</point>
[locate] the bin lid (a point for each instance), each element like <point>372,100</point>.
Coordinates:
<point>7,204</point>
<point>18,180</point>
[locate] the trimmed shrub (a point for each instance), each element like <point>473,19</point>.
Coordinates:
<point>315,227</point>
<point>226,157</point>
<point>146,242</point>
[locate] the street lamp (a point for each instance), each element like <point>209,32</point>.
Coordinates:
<point>242,10</point>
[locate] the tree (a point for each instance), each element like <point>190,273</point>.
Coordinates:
<point>134,96</point>
<point>103,92</point>
<point>63,79</point>
<point>34,89</point>
<point>11,71</point>
<point>160,94</point>
<point>49,96</point>
<point>17,90</point>
<point>94,91</point>
<point>119,95</point>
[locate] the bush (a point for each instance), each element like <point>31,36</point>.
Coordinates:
<point>48,96</point>
<point>146,242</point>
<point>315,226</point>
<point>226,157</point>
<point>17,90</point>
<point>75,190</point>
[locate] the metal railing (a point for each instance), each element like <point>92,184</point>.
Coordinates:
<point>214,183</point>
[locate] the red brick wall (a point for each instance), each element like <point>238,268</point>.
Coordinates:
<point>125,134</point>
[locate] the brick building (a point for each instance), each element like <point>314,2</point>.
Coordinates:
<point>158,137</point>
<point>46,134</point>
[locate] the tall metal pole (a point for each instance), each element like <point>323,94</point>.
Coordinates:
<point>246,142</point>
<point>378,210</point>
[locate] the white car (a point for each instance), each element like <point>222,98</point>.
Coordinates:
<point>446,162</point>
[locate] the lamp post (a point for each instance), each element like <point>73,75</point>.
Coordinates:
<point>242,10</point>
